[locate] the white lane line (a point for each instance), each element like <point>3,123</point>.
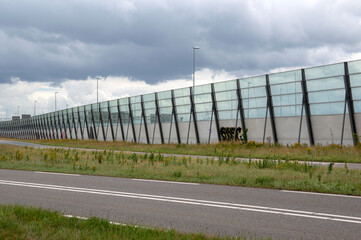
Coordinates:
<point>288,212</point>
<point>321,194</point>
<point>114,223</point>
<point>62,174</point>
<point>159,181</point>
<point>157,197</point>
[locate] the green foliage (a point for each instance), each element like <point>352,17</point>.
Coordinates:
<point>17,222</point>
<point>19,155</point>
<point>330,167</point>
<point>221,168</point>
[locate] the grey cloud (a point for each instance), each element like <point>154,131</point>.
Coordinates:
<point>152,40</point>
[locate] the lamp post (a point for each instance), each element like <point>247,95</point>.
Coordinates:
<point>97,87</point>
<point>18,110</point>
<point>6,115</point>
<point>55,99</point>
<point>35,107</point>
<point>194,64</point>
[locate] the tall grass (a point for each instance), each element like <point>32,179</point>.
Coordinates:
<point>18,222</point>
<point>267,173</point>
<point>331,153</point>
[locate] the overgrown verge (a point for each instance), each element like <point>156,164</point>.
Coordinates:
<point>265,173</point>
<point>251,149</point>
<point>17,222</point>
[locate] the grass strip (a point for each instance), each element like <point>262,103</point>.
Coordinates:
<point>331,153</point>
<point>266,173</point>
<point>18,222</point>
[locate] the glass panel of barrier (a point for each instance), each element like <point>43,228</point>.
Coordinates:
<point>284,77</point>
<point>326,83</point>
<point>327,108</point>
<point>224,86</point>
<point>294,87</point>
<point>354,67</point>
<point>288,111</point>
<point>325,71</point>
<point>204,116</point>
<point>227,105</point>
<point>291,99</point>
<point>327,96</point>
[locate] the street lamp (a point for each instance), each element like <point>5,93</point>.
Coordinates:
<point>35,107</point>
<point>97,87</point>
<point>194,64</point>
<point>18,110</point>
<point>55,99</point>
<point>6,115</point>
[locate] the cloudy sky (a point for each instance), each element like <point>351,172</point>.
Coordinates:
<point>145,46</point>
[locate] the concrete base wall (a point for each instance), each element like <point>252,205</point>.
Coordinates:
<point>327,129</point>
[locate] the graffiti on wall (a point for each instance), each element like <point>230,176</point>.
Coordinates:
<point>227,133</point>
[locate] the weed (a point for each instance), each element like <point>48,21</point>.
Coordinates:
<point>330,166</point>
<point>19,155</point>
<point>177,174</point>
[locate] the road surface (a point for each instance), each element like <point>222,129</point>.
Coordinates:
<point>188,207</point>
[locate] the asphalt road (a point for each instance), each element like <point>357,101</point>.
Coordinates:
<point>212,209</point>
<point>355,166</point>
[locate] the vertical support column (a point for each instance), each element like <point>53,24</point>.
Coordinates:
<point>74,124</point>
<point>158,117</point>
<point>174,113</point>
<point>120,121</point>
<point>144,119</point>
<point>349,100</point>
<point>93,122</point>
<point>101,121</point>
<point>69,126</point>
<point>131,120</point>
<point>80,125</point>
<point>56,128</point>
<point>86,122</point>
<point>270,108</point>
<point>306,105</point>
<point>60,128</point>
<point>110,121</point>
<point>64,125</point>
<point>193,112</point>
<point>51,133</point>
<point>215,111</point>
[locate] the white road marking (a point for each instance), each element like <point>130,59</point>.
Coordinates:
<point>243,207</point>
<point>114,223</point>
<point>63,174</point>
<point>159,181</point>
<point>321,194</point>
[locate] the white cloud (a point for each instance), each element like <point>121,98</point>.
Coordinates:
<point>81,92</point>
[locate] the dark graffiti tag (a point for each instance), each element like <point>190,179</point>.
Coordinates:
<point>227,133</point>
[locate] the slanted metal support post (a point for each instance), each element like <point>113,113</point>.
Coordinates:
<point>101,121</point>
<point>131,120</point>
<point>306,105</point>
<point>349,100</point>
<point>194,114</point>
<point>120,121</point>
<point>110,121</point>
<point>270,108</point>
<point>158,118</point>
<point>215,111</point>
<point>174,113</point>
<point>144,119</point>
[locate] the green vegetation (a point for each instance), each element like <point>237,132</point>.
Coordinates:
<point>18,222</point>
<point>251,149</point>
<point>266,173</point>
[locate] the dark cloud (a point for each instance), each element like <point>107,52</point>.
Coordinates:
<point>152,40</point>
